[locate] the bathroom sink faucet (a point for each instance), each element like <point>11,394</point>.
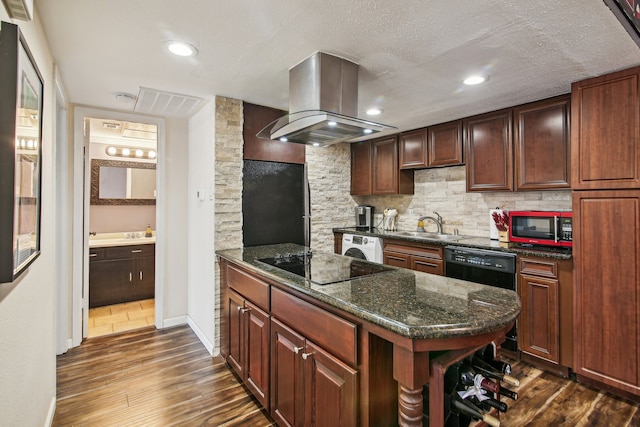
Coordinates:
<point>437,220</point>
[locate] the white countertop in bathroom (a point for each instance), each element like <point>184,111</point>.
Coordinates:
<point>102,240</point>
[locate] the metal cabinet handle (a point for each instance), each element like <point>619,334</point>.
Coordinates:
<point>140,275</point>
<point>137,251</point>
<point>92,255</point>
<point>239,308</point>
<point>244,310</point>
<point>130,276</point>
<point>306,355</point>
<point>297,350</point>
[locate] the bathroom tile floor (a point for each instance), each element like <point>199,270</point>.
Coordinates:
<point>116,318</point>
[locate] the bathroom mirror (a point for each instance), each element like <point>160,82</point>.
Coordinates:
<point>116,182</point>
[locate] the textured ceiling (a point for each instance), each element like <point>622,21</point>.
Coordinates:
<point>413,54</point>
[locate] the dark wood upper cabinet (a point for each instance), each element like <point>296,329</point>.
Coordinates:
<point>413,149</point>
<point>439,145</point>
<point>541,144</point>
<point>375,168</point>
<point>387,176</point>
<point>488,152</point>
<point>605,131</point>
<point>445,144</point>
<point>361,164</point>
<point>256,117</point>
<point>385,166</point>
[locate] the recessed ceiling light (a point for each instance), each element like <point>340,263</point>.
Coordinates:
<point>374,111</point>
<point>181,48</point>
<point>316,144</point>
<point>332,123</point>
<point>368,131</point>
<point>283,139</point>
<point>152,154</point>
<point>474,80</point>
<point>126,151</point>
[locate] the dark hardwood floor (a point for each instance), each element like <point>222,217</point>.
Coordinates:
<point>167,378</point>
<point>150,377</point>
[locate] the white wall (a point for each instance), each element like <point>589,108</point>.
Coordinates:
<point>201,241</point>
<point>27,318</point>
<point>173,181</point>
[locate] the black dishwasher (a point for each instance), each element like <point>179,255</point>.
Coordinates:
<point>486,267</point>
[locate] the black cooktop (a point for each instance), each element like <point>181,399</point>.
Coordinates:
<point>323,269</point>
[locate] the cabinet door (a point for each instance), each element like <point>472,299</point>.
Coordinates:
<point>427,265</point>
<point>607,287</point>
<point>413,149</point>
<point>605,131</point>
<point>445,144</point>
<point>287,376</point>
<point>385,166</point>
<point>539,326</point>
<point>396,259</point>
<point>111,282</point>
<point>257,341</point>
<point>330,395</point>
<point>361,172</point>
<point>145,275</point>
<point>541,142</point>
<point>235,358</point>
<point>488,153</point>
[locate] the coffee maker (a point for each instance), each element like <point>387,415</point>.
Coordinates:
<point>364,217</point>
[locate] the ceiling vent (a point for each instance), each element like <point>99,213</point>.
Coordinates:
<point>167,104</point>
<point>19,9</point>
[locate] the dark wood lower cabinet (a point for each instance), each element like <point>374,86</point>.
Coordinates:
<point>606,249</point>
<point>121,274</point>
<point>248,344</point>
<point>425,258</point>
<point>309,386</point>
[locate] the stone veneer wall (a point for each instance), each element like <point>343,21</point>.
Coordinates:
<point>329,172</point>
<point>444,190</point>
<point>228,187</point>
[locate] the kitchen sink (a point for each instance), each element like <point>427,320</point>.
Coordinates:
<point>430,236</point>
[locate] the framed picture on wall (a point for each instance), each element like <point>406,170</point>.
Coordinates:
<point>21,86</point>
<point>628,13</point>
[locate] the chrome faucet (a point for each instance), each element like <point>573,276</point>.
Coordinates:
<point>437,220</point>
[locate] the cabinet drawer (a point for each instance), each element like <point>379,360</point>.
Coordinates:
<point>129,251</point>
<point>96,254</point>
<point>253,289</point>
<point>537,267</point>
<point>331,332</point>
<point>434,252</point>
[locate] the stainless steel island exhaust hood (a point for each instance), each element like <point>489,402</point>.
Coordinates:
<point>323,104</point>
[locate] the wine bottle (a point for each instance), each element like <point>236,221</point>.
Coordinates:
<point>468,377</point>
<point>487,370</point>
<point>463,406</point>
<point>508,393</point>
<point>490,403</point>
<point>500,366</point>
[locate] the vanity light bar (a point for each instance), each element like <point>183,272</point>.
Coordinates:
<point>26,143</point>
<point>130,152</point>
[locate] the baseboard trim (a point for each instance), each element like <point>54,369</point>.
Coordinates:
<point>175,321</point>
<point>52,411</point>
<point>201,336</point>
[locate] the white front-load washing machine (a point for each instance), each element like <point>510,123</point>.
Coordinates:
<point>363,247</point>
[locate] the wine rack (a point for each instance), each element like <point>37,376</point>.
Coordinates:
<point>445,384</point>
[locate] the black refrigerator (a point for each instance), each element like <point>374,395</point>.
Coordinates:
<point>275,203</point>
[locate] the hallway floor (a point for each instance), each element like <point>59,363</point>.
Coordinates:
<point>127,316</point>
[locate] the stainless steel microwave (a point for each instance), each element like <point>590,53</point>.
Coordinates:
<point>546,228</point>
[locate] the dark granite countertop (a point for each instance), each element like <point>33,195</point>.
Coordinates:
<point>409,303</point>
<point>467,241</point>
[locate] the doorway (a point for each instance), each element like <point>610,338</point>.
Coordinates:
<point>122,223</point>
<point>119,221</point>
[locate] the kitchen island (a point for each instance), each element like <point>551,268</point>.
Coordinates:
<point>357,348</point>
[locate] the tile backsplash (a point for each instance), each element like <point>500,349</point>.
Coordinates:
<point>444,190</point>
